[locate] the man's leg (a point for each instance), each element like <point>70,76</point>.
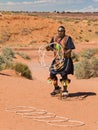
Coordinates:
<point>65,81</point>
<point>54,81</point>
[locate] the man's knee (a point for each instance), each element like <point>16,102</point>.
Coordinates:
<point>53,79</point>
<point>65,81</point>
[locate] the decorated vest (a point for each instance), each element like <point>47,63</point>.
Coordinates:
<point>63,43</point>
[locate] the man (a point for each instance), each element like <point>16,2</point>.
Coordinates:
<point>67,44</point>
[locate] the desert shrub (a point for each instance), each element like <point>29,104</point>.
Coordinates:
<point>2,62</point>
<point>1,59</point>
<point>81,31</point>
<point>23,55</point>
<point>5,63</point>
<point>76,21</point>
<point>25,31</point>
<point>94,67</point>
<point>23,70</point>
<point>89,30</point>
<point>75,56</point>
<point>8,53</point>
<point>80,37</point>
<point>6,58</point>
<point>86,40</point>
<point>86,68</point>
<point>8,64</point>
<point>96,32</point>
<point>87,53</point>
<point>82,69</point>
<point>89,22</point>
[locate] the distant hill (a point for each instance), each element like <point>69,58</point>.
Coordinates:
<point>24,28</point>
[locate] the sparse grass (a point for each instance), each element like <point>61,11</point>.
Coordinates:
<point>23,55</point>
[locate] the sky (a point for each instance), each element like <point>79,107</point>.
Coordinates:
<point>49,5</point>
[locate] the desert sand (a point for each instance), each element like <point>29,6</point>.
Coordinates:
<point>27,104</point>
<point>22,94</point>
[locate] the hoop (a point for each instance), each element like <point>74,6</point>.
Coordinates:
<point>54,55</point>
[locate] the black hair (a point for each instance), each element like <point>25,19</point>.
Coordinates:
<point>62,28</point>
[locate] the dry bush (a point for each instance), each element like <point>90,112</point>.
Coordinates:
<point>75,56</point>
<point>23,55</point>
<point>82,69</point>
<point>6,58</point>
<point>8,53</point>
<point>23,70</point>
<point>5,63</point>
<point>96,32</point>
<point>94,67</point>
<point>2,62</point>
<point>88,53</point>
<point>87,67</point>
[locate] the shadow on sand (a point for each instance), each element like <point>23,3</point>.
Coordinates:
<point>5,74</point>
<point>81,95</point>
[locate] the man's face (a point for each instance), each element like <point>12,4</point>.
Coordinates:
<point>61,33</point>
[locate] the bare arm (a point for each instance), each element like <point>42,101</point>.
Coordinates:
<point>67,53</point>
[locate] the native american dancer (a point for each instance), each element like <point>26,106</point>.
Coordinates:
<point>62,63</point>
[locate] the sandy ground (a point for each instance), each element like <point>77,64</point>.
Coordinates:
<point>27,104</point>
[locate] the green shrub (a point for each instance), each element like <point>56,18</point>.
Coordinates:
<point>2,62</point>
<point>23,69</point>
<point>75,56</point>
<point>86,68</point>
<point>88,53</point>
<point>8,53</point>
<point>5,63</point>
<point>94,67</point>
<point>96,32</point>
<point>82,69</point>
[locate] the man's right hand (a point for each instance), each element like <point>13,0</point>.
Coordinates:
<point>48,48</point>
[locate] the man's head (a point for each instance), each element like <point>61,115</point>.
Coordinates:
<point>61,31</point>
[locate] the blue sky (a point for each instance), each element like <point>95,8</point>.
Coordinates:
<point>50,5</point>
